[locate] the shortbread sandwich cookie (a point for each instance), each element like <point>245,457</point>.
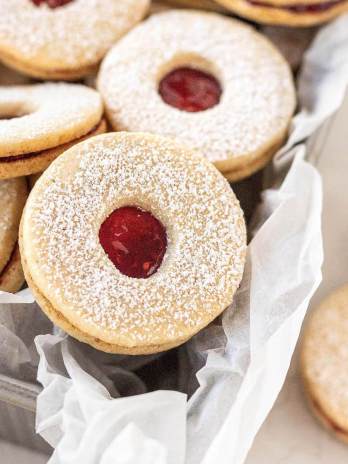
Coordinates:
<point>13,194</point>
<point>325,361</point>
<point>210,82</point>
<point>39,122</point>
<point>296,13</point>
<point>63,39</point>
<point>132,243</point>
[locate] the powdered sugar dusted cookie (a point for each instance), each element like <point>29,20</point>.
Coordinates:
<point>120,243</point>
<point>39,122</point>
<point>13,193</point>
<point>210,82</point>
<point>63,39</point>
<point>325,361</point>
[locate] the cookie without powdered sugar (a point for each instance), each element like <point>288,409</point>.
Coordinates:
<point>324,359</point>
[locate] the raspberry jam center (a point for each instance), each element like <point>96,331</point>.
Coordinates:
<point>51,3</point>
<point>190,90</point>
<point>134,240</point>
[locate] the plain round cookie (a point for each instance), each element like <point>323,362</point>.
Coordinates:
<point>287,12</point>
<point>324,357</point>
<point>242,132</point>
<point>13,194</point>
<point>78,286</point>
<point>39,122</point>
<point>66,42</point>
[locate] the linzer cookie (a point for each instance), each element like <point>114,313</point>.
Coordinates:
<point>63,39</point>
<point>13,193</point>
<point>39,122</point>
<point>287,12</point>
<point>325,361</point>
<point>210,82</point>
<point>132,243</point>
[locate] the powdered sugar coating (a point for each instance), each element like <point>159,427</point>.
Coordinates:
<point>11,204</point>
<point>72,36</point>
<point>51,114</point>
<point>258,94</point>
<point>325,357</point>
<point>204,261</point>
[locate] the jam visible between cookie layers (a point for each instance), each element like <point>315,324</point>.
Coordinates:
<point>51,3</point>
<point>189,89</point>
<point>134,240</point>
<point>301,8</point>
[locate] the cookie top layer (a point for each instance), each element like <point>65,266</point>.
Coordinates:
<point>12,198</point>
<point>72,36</point>
<point>42,116</point>
<point>325,358</point>
<point>204,259</point>
<point>258,95</point>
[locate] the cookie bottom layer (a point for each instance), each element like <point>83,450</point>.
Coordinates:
<point>33,163</point>
<point>208,5</point>
<point>324,419</point>
<point>46,74</point>
<point>12,277</point>
<point>274,15</point>
<point>251,167</point>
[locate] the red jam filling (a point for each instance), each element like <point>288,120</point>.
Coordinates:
<point>190,90</point>
<point>51,3</point>
<point>134,240</point>
<point>300,8</point>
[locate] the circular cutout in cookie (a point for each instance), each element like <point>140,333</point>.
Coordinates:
<point>51,3</point>
<point>190,89</point>
<point>134,240</point>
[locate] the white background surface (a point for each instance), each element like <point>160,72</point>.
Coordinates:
<point>290,435</point>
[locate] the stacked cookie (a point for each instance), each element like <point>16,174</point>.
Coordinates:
<point>132,243</point>
<point>302,13</point>
<point>210,82</point>
<point>293,13</point>
<point>13,194</point>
